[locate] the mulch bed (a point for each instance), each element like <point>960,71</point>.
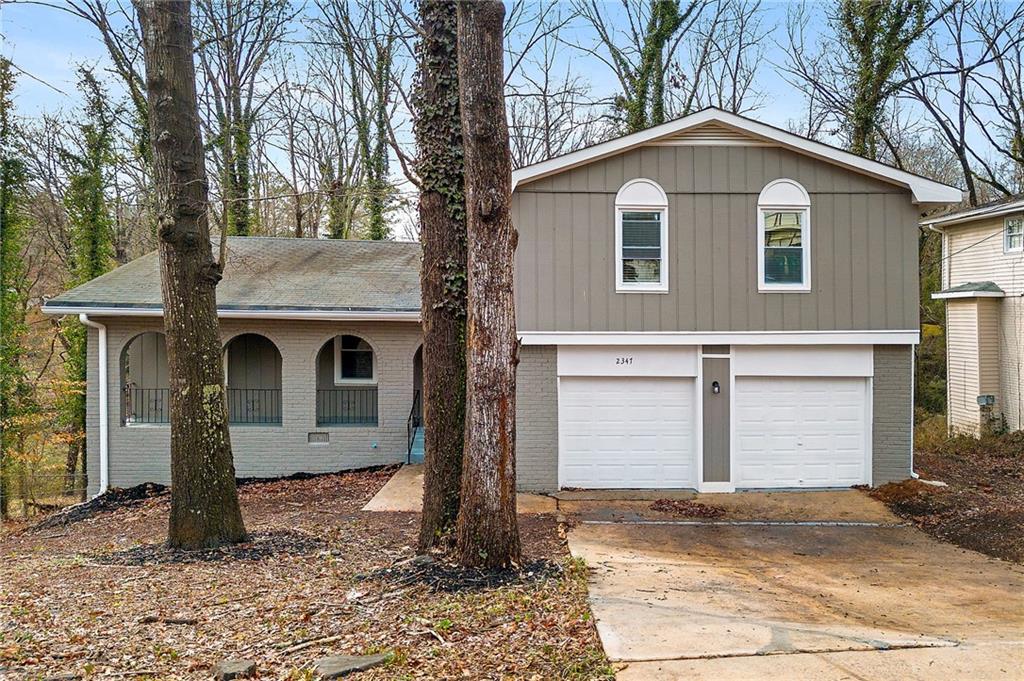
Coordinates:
<point>104,596</point>
<point>982,506</point>
<point>687,508</point>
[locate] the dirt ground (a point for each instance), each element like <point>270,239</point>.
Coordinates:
<point>103,598</point>
<point>982,506</point>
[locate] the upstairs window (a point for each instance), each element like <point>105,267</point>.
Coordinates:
<point>1013,235</point>
<point>783,237</point>
<point>641,237</point>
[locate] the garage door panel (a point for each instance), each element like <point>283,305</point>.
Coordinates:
<point>800,432</point>
<point>627,432</point>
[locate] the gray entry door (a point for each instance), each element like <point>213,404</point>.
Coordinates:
<point>716,419</point>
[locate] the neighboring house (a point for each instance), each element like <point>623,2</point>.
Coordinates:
<point>710,304</point>
<point>983,285</point>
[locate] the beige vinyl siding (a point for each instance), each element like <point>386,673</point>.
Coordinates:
<point>962,369</point>
<point>988,347</point>
<point>863,242</point>
<point>976,254</point>
<point>1011,361</point>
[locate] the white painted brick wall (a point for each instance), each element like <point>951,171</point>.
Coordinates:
<point>141,453</point>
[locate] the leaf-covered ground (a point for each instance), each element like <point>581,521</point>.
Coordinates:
<point>103,598</point>
<point>982,506</point>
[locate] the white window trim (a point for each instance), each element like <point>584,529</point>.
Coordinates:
<point>338,380</point>
<point>660,207</point>
<point>1006,234</point>
<point>805,240</point>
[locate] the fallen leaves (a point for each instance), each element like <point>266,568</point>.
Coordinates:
<point>317,578</point>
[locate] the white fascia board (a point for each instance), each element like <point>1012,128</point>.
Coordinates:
<point>325,315</point>
<point>966,216</point>
<point>925,191</point>
<point>968,294</point>
<point>899,337</point>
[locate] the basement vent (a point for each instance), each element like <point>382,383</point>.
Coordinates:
<point>318,438</point>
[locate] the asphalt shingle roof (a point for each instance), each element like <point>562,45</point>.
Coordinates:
<point>264,273</point>
<point>974,287</point>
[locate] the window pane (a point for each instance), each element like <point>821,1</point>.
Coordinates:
<point>1014,233</point>
<point>641,230</point>
<point>783,265</point>
<point>642,271</point>
<point>783,228</point>
<point>357,364</point>
<point>353,343</point>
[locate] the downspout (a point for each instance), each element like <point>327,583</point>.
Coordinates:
<point>104,404</point>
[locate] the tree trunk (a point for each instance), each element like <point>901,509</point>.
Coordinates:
<point>204,499</point>
<point>443,275</point>
<point>487,532</point>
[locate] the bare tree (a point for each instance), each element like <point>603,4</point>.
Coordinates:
<point>487,531</point>
<point>638,43</point>
<point>551,113</point>
<point>236,41</point>
<point>204,500</point>
<point>967,87</point>
<point>853,73</point>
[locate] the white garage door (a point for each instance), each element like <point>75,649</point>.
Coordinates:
<point>627,432</point>
<point>801,432</point>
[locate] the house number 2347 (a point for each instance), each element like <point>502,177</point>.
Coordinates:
<point>623,360</point>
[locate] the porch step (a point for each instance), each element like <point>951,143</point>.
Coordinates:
<point>416,456</point>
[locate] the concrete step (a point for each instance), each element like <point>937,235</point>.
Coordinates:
<point>416,455</point>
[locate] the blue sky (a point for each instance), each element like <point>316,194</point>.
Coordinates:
<point>49,44</point>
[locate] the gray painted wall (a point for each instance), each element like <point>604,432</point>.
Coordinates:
<point>892,411</point>
<point>141,453</point>
<point>863,246</point>
<point>537,418</point>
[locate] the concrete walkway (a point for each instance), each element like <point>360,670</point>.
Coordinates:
<point>860,601</point>
<point>404,492</point>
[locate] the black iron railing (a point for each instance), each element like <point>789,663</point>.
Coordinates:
<point>147,405</point>
<point>349,405</point>
<point>254,405</point>
<point>414,422</point>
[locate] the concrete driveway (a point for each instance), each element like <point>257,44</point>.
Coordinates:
<point>857,599</point>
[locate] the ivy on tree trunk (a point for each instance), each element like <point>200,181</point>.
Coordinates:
<point>443,275</point>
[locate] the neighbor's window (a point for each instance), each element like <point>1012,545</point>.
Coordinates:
<point>783,235</point>
<point>641,233</point>
<point>1013,239</point>
<point>353,360</point>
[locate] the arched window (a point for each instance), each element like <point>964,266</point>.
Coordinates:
<point>252,365</point>
<point>145,390</point>
<point>784,237</point>
<point>346,382</point>
<point>641,237</point>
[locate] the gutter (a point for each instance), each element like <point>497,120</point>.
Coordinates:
<point>104,404</point>
<point>230,313</point>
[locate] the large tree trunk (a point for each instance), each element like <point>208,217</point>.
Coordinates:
<point>204,499</point>
<point>487,533</point>
<point>443,276</point>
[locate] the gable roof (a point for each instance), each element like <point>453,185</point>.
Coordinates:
<point>1000,207</point>
<point>273,277</point>
<point>715,126</point>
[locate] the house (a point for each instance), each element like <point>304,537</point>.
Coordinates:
<point>982,286</point>
<point>710,304</point>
